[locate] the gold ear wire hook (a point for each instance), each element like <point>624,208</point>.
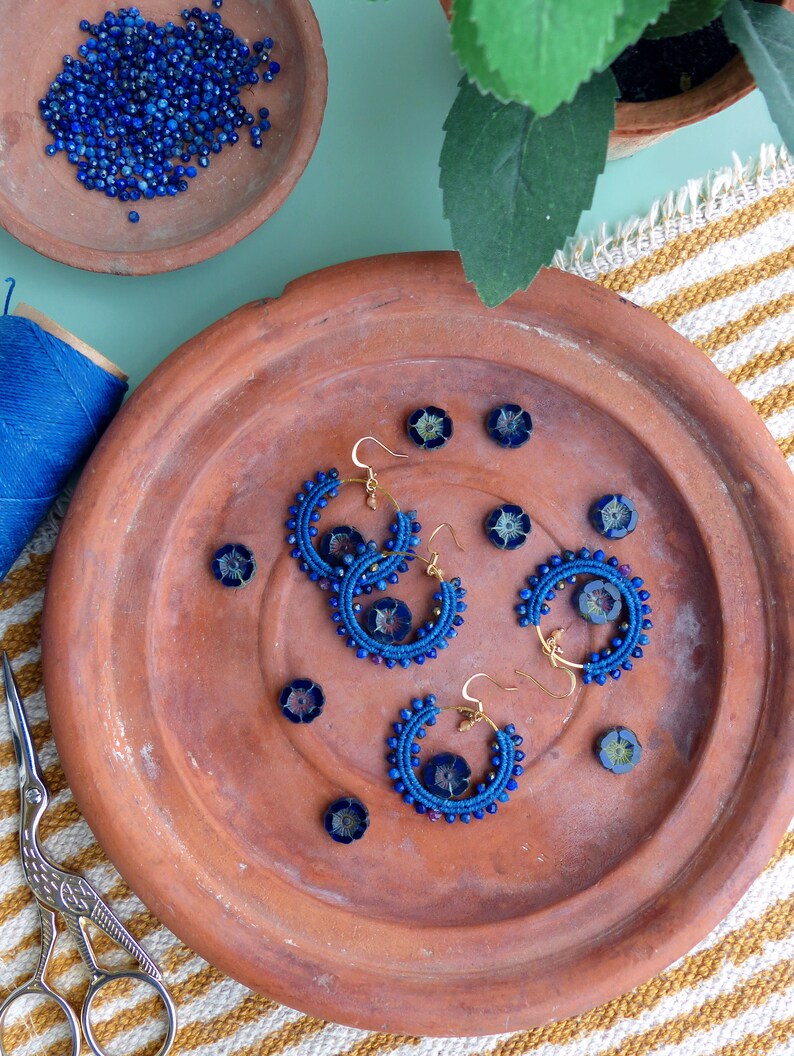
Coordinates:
<point>371,482</point>
<point>552,650</point>
<point>432,567</point>
<point>476,715</point>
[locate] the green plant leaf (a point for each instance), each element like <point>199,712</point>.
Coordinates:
<point>630,26</point>
<point>684,16</point>
<point>764,34</point>
<point>466,44</point>
<point>542,49</point>
<point>515,183</point>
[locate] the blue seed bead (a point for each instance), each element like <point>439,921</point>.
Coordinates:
<point>133,217</point>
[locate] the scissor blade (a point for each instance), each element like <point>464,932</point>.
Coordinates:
<point>27,759</point>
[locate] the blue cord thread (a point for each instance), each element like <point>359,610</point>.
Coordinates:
<point>430,638</point>
<point>305,513</point>
<point>404,755</point>
<point>54,405</point>
<point>624,647</point>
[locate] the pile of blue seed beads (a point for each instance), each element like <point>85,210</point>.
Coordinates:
<point>143,102</point>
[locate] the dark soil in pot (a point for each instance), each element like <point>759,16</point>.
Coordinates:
<point>659,69</point>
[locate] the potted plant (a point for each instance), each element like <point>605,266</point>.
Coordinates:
<point>529,130</point>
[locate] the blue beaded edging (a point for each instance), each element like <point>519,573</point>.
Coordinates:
<point>429,639</point>
<point>551,577</point>
<point>404,757</point>
<point>305,513</point>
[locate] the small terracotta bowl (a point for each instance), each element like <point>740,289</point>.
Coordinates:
<point>43,205</point>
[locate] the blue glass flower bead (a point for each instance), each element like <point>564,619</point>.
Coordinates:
<point>344,539</point>
<point>389,620</point>
<point>346,820</point>
<point>618,749</point>
<point>614,516</point>
<point>447,775</point>
<point>234,565</point>
<point>301,700</point>
<point>509,425</point>
<point>508,526</point>
<point>429,427</point>
<point>599,601</point>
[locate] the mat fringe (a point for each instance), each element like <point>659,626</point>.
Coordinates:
<point>694,205</point>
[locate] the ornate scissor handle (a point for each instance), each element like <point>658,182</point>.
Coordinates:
<point>101,979</point>
<point>36,987</point>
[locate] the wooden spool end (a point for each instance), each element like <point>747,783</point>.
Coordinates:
<point>35,316</point>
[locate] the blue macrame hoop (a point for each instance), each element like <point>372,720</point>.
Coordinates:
<point>429,639</point>
<point>303,518</point>
<point>405,757</point>
<point>625,647</point>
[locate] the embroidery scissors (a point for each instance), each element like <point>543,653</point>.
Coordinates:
<point>58,891</point>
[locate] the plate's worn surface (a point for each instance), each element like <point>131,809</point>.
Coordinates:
<point>164,687</point>
<point>43,205</point>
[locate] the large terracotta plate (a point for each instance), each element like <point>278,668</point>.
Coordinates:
<point>163,685</point>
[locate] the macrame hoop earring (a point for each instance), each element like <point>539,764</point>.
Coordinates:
<point>405,758</point>
<point>305,513</point>
<point>434,635</point>
<point>624,647</point>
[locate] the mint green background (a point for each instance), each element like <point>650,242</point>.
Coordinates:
<point>371,187</point>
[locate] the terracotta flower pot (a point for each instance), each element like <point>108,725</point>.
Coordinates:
<point>641,124</point>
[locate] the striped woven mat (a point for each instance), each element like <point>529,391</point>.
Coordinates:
<point>717,262</point>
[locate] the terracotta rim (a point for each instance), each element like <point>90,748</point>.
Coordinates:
<point>744,831</point>
<point>150,261</point>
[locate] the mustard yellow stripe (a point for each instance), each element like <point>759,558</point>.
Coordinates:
<point>377,1044</point>
<point>760,1044</point>
<point>779,399</point>
<point>761,363</point>
<point>786,445</point>
<point>729,283</point>
<point>276,1041</point>
<point>749,994</point>
<point>786,847</point>
<point>726,334</point>
<point>23,582</point>
<point>20,637</point>
<point>686,246</point>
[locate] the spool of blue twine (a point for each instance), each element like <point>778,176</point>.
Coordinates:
<point>55,403</point>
